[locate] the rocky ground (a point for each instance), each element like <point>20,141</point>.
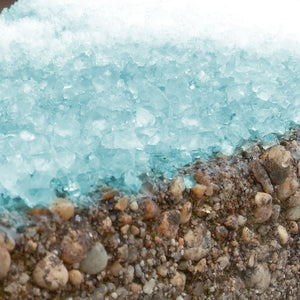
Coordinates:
<point>233,235</point>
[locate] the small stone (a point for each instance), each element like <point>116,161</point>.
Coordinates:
<point>63,208</point>
<point>221,233</point>
<point>116,269</point>
<point>10,243</point>
<point>5,260</point>
<point>134,206</point>
<point>248,236</point>
<point>50,273</point>
<point>162,270</point>
<point>231,222</point>
<point>149,208</point>
<point>124,218</point>
<point>283,234</point>
<point>199,190</point>
<point>24,278</point>
<point>261,176</point>
<point>134,230</point>
<point>169,223</point>
<point>177,188</point>
<point>178,280</point>
<point>263,210</point>
<point>124,229</point>
<point>223,262</point>
<point>73,251</point>
<point>95,260</point>
<point>135,288</point>
<point>122,204</point>
<point>149,286</point>
<point>260,278</point>
<point>293,227</point>
<point>75,277</point>
<point>293,214</point>
<point>32,245</point>
<point>287,188</point>
<point>123,252</point>
<point>241,220</point>
<point>186,212</point>
<point>201,265</point>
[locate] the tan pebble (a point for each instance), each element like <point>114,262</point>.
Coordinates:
<point>275,257</point>
<point>10,243</point>
<point>125,218</point>
<point>178,280</point>
<point>202,178</point>
<point>5,261</point>
<point>293,213</point>
<point>32,245</point>
<point>169,223</point>
<point>135,288</point>
<point>12,288</point>
<point>260,278</point>
<point>149,286</point>
<point>106,224</point>
<point>199,190</point>
<point>123,252</point>
<point>134,230</point>
<point>116,269</point>
<point>201,265</point>
<point>272,267</point>
<point>134,206</point>
<point>293,226</point>
<point>73,251</point>
<point>247,235</point>
<point>162,270</point>
<point>251,260</point>
<point>186,212</point>
<point>75,277</point>
<point>177,188</point>
<point>222,262</point>
<point>50,273</point>
<point>283,234</point>
<point>294,200</point>
<point>124,229</point>
<point>241,220</point>
<point>231,222</point>
<point>263,210</point>
<point>149,208</point>
<point>63,208</point>
<point>24,278</point>
<point>287,188</point>
<point>122,204</point>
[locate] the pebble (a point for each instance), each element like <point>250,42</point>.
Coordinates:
<point>178,280</point>
<point>123,252</point>
<point>293,214</point>
<point>221,233</point>
<point>293,227</point>
<point>149,208</point>
<point>149,286</point>
<point>186,212</point>
<point>73,251</point>
<point>63,208</point>
<point>122,204</point>
<point>134,206</point>
<point>223,262</point>
<point>201,265</point>
<point>283,234</point>
<point>75,277</point>
<point>135,288</point>
<point>169,223</point>
<point>263,210</point>
<point>177,188</point>
<point>199,190</point>
<point>288,187</point>
<point>260,278</point>
<point>50,273</point>
<point>162,270</point>
<point>95,260</point>
<point>231,222</point>
<point>261,176</point>
<point>116,269</point>
<point>5,260</point>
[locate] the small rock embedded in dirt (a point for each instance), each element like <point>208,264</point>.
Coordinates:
<point>122,204</point>
<point>95,260</point>
<point>149,208</point>
<point>5,259</point>
<point>75,277</point>
<point>73,251</point>
<point>260,278</point>
<point>63,208</point>
<point>283,234</point>
<point>198,190</point>
<point>231,222</point>
<point>169,223</point>
<point>261,176</point>
<point>50,273</point>
<point>186,212</point>
<point>149,286</point>
<point>263,210</point>
<point>177,188</point>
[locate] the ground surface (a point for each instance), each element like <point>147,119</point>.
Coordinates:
<point>234,235</point>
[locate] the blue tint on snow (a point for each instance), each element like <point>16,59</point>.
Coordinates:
<point>75,112</point>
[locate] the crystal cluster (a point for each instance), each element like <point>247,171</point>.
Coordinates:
<point>76,111</point>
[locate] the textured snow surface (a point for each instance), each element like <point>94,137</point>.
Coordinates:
<point>84,102</point>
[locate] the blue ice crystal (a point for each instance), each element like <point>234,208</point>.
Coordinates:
<point>77,110</point>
